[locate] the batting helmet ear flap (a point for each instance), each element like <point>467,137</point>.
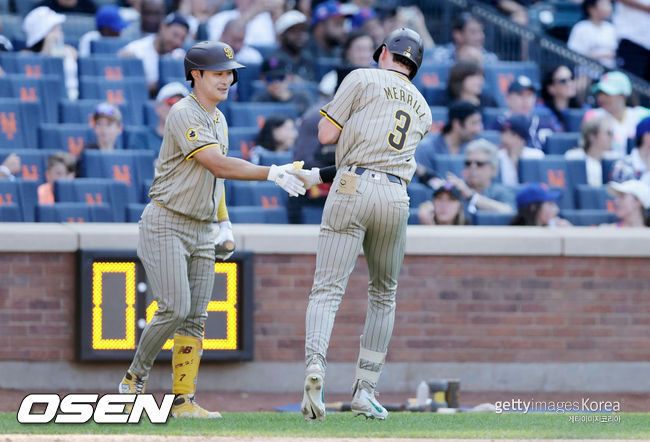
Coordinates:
<point>405,42</point>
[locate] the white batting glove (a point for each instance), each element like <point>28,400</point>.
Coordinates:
<point>309,178</point>
<point>292,185</point>
<point>224,243</point>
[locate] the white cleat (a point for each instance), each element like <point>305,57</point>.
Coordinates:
<point>364,402</point>
<point>313,405</point>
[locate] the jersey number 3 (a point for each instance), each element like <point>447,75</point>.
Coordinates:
<point>397,137</point>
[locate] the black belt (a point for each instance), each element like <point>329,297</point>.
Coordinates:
<point>392,178</point>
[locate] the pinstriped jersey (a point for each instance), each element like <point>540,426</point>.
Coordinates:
<point>382,117</point>
<point>180,182</point>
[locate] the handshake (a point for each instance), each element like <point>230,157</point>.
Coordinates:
<point>293,178</point>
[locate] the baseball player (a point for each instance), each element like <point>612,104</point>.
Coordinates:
<point>176,242</point>
<point>377,118</point>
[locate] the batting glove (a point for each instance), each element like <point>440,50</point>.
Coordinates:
<point>224,243</point>
<point>292,185</point>
<point>309,178</point>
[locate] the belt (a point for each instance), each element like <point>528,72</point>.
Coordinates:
<point>392,178</point>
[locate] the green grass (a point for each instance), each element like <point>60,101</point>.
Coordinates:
<point>398,425</point>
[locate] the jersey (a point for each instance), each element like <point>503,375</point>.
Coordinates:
<point>382,117</point>
<point>180,183</point>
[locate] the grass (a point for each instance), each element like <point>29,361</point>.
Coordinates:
<point>398,425</point>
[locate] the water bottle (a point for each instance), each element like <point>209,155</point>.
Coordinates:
<point>422,394</point>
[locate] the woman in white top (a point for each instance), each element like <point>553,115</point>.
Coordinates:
<point>595,142</point>
<point>595,37</point>
<point>636,165</point>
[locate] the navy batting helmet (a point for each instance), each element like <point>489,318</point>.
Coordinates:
<point>211,56</point>
<point>407,43</point>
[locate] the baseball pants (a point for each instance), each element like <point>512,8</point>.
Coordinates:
<point>375,218</point>
<point>178,256</point>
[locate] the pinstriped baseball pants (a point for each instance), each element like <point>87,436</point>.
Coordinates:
<point>374,218</point>
<point>177,253</point>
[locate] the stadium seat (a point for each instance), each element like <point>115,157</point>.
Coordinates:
<point>574,119</point>
<point>556,172</point>
<point>484,218</point>
<point>10,201</point>
<point>241,139</point>
<point>94,191</point>
<point>133,212</point>
<point>413,216</point>
<point>19,124</point>
<point>593,198</point>
<point>69,137</point>
<point>170,69</point>
<point>311,214</point>
<point>254,114</point>
<point>135,137</point>
<point>493,136</point>
<point>150,116</point>
<point>324,65</point>
<point>81,111</point>
<point>432,74</point>
<point>28,193</point>
<point>131,90</point>
<point>269,158</point>
<point>108,45</point>
<point>31,65</point>
<point>33,162</point>
<point>558,143</point>
<point>498,76</point>
<point>110,67</point>
<point>439,115</point>
<point>418,193</point>
<point>449,163</point>
<point>588,217</point>
<point>491,115</point>
<point>435,95</point>
<point>262,193</point>
<point>76,25</point>
<point>245,79</point>
<point>46,90</point>
<point>145,186</point>
<point>10,213</point>
<point>73,212</point>
<point>608,169</point>
<point>246,214</point>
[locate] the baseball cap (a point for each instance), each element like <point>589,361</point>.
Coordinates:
<point>39,22</point>
<point>519,124</point>
<point>614,83</point>
<point>522,82</point>
<point>448,187</point>
<point>640,190</point>
<point>536,193</point>
<point>461,109</point>
<point>176,18</point>
<point>288,20</point>
<point>171,90</point>
<point>360,18</point>
<point>108,16</point>
<point>325,11</point>
<point>107,110</point>
<point>274,67</point>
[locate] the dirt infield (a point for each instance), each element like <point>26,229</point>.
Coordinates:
<point>250,402</point>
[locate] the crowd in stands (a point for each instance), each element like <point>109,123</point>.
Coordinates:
<point>85,89</point>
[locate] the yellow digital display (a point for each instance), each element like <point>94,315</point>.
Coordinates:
<point>100,269</point>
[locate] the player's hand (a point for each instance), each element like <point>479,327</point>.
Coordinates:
<point>292,185</point>
<point>309,178</point>
<point>224,243</point>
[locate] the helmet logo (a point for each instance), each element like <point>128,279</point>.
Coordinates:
<point>407,52</point>
<point>228,52</point>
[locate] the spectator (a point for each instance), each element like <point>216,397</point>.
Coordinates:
<point>274,74</point>
<point>277,135</point>
<point>152,14</point>
<point>292,33</point>
<point>514,139</point>
<point>537,206</point>
<point>636,165</point>
<point>168,95</point>
<point>233,35</point>
<point>411,17</point>
<point>257,14</point>
<point>327,31</point>
<point>107,125</point>
<point>357,53</point>
<point>10,167</point>
<point>109,23</point>
<point>70,6</point>
<point>595,143</point>
<point>168,41</point>
<point>595,37</point>
<point>44,36</point>
<point>559,93</point>
<point>466,82</point>
<point>515,9</point>
<point>521,99</point>
<point>197,13</point>
<point>366,20</point>
<point>477,187</point>
<point>463,125</point>
<point>466,31</point>
<point>632,21</point>
<point>611,92</point>
<point>445,209</point>
<point>60,166</point>
<point>631,203</point>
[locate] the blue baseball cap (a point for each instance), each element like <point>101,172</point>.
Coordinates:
<point>108,16</point>
<point>360,18</point>
<point>521,83</point>
<point>536,193</point>
<point>325,11</point>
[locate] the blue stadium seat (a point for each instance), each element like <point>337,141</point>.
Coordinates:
<point>110,67</point>
<point>94,191</point>
<point>557,173</point>
<point>31,65</point>
<point>418,193</point>
<point>33,162</point>
<point>324,65</point>
<point>558,143</point>
<point>432,74</point>
<point>311,214</point>
<point>269,158</point>
<point>135,137</point>
<point>131,90</point>
<point>108,45</point>
<point>493,136</point>
<point>10,201</point>
<point>449,163</point>
<point>588,217</point>
<point>10,213</point>
<point>593,198</point>
<point>133,212</point>
<point>439,115</point>
<point>150,116</point>
<point>46,90</point>
<point>81,111</point>
<point>574,119</point>
<point>69,137</point>
<point>435,95</point>
<point>608,169</point>
<point>170,69</point>
<point>275,215</point>
<point>146,186</point>
<point>74,212</point>
<point>28,192</point>
<point>484,218</point>
<point>245,79</point>
<point>491,115</point>
<point>19,124</point>
<point>76,25</point>
<point>246,214</point>
<point>262,193</point>
<point>253,114</point>
<point>413,216</point>
<point>498,76</point>
<point>241,139</point>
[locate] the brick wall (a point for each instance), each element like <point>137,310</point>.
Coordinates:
<point>449,309</point>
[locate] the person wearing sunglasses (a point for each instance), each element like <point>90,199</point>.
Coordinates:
<point>559,90</point>
<point>595,144</point>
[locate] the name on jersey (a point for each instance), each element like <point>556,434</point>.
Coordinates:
<point>393,93</point>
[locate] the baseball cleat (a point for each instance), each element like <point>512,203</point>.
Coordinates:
<point>186,406</point>
<point>131,384</point>
<point>365,403</point>
<point>313,405</point>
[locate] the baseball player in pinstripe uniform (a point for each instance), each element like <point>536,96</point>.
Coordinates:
<point>377,118</point>
<point>176,243</point>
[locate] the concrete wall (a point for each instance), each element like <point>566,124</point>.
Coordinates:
<point>519,309</point>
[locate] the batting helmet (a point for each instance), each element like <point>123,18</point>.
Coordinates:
<point>211,56</point>
<point>405,42</point>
